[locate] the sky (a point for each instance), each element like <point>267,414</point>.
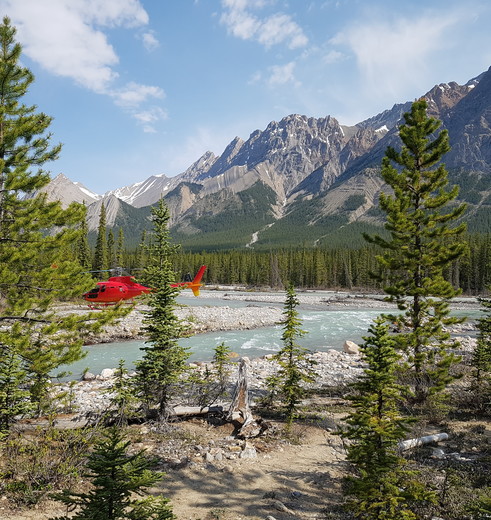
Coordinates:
<point>145,87</point>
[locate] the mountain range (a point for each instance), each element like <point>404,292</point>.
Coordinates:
<point>302,181</point>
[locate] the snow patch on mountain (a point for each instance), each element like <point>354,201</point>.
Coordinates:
<point>144,193</point>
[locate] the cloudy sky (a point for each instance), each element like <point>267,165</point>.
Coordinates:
<point>145,87</point>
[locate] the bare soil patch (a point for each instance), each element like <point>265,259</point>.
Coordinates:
<point>298,478</point>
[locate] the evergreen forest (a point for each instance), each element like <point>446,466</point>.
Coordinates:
<point>340,268</point>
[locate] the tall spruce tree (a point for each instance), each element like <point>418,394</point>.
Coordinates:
<point>120,249</point>
<point>111,250</point>
<point>82,247</point>
<point>481,358</point>
<point>295,368</point>
<point>140,251</point>
<point>382,489</point>
<point>37,238</point>
<point>101,260</point>
<point>423,241</point>
<point>164,359</point>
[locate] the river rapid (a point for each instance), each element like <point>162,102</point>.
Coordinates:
<point>248,323</point>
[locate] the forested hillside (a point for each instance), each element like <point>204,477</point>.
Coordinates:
<point>344,268</point>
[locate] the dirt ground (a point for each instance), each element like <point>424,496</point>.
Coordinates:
<point>296,479</point>
<point>284,481</point>
<point>288,477</point>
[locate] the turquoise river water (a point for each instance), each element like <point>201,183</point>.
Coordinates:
<point>326,328</point>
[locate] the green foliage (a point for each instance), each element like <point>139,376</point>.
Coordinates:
<point>164,360</point>
<point>353,202</point>
<point>116,477</point>
<point>38,262</point>
<point>101,255</point>
<point>14,399</point>
<point>481,358</point>
<point>295,368</point>
<point>205,387</point>
<point>123,402</point>
<point>382,488</point>
<point>34,465</point>
<point>82,247</point>
<point>120,249</point>
<point>421,245</point>
<point>221,364</point>
<point>111,250</point>
<point>481,510</point>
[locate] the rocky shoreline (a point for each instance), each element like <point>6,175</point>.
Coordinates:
<point>209,318</point>
<point>332,367</point>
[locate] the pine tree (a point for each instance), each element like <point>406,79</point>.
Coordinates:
<point>140,251</point>
<point>295,369</point>
<point>123,401</point>
<point>422,243</point>
<point>120,249</point>
<point>36,267</point>
<point>116,477</point>
<point>382,488</point>
<point>164,359</point>
<point>221,365</point>
<point>14,399</point>
<point>101,260</point>
<point>83,248</point>
<point>481,357</point>
<point>111,250</point>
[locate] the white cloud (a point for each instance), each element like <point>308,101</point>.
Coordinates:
<point>280,27</point>
<point>147,118</point>
<point>66,38</point>
<point>392,54</point>
<point>281,74</point>
<point>255,78</point>
<point>333,57</point>
<point>134,94</point>
<point>150,42</point>
<point>274,30</point>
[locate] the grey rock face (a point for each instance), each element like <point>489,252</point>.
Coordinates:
<point>303,158</point>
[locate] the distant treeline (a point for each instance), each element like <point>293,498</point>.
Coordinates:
<point>324,268</point>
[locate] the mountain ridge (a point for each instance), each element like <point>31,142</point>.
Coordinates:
<point>303,173</point>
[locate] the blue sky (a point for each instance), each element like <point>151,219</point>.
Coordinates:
<point>145,87</point>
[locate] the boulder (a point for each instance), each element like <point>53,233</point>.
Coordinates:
<point>107,373</point>
<point>350,347</point>
<point>88,376</point>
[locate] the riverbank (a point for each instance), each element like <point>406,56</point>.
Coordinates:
<point>263,309</point>
<point>333,367</point>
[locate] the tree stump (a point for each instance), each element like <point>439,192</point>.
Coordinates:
<point>240,413</point>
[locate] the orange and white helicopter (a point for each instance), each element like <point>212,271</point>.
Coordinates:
<point>119,288</point>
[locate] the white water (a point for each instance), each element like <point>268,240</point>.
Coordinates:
<point>325,329</point>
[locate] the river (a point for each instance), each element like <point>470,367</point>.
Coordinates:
<point>326,328</point>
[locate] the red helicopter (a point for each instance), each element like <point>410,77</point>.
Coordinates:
<point>119,288</point>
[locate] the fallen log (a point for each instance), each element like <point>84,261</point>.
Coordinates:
<point>419,441</point>
<point>182,411</point>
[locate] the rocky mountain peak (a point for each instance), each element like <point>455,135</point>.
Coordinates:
<point>443,97</point>
<point>143,193</point>
<point>200,167</point>
<point>66,191</point>
<point>226,160</point>
<point>112,205</point>
<point>299,168</point>
<point>469,127</point>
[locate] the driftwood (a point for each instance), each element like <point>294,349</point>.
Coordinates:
<point>414,443</point>
<point>182,411</point>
